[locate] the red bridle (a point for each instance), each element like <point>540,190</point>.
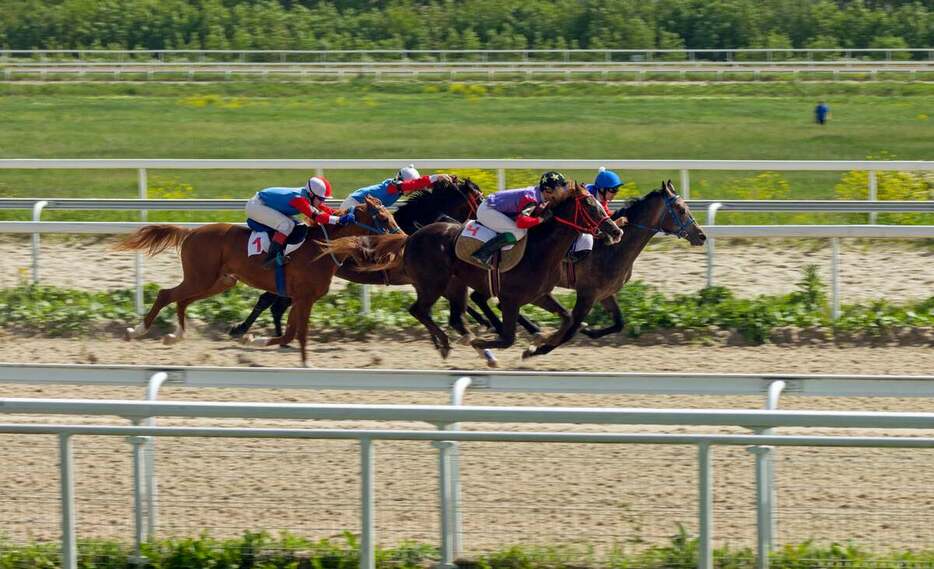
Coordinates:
<point>589,224</point>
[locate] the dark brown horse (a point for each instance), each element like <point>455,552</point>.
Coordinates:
<point>600,276</point>
<point>214,257</point>
<point>429,260</point>
<point>456,200</point>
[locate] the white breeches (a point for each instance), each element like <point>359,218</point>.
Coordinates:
<point>349,203</point>
<point>258,211</point>
<point>584,242</point>
<point>499,222</point>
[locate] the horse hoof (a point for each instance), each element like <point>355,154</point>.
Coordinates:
<point>528,352</point>
<point>490,358</point>
<point>538,338</point>
<point>128,334</point>
<point>171,339</point>
<point>236,333</point>
<point>444,352</point>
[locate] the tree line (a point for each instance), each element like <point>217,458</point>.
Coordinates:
<point>464,24</point>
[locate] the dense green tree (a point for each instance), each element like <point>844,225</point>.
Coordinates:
<point>465,24</point>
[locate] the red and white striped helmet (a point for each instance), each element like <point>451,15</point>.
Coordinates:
<point>319,186</point>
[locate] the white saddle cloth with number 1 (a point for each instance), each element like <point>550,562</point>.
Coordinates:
<point>259,243</point>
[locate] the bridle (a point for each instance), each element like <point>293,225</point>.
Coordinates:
<point>582,220</point>
<point>380,228</point>
<point>682,226</point>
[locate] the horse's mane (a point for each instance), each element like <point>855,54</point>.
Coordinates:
<point>633,207</point>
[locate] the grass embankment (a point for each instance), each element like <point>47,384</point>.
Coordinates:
<point>416,120</point>
<point>261,551</point>
<point>700,316</point>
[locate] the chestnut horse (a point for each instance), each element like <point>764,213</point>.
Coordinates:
<point>214,257</point>
<point>457,200</point>
<point>429,260</point>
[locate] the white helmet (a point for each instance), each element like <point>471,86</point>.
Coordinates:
<point>408,173</point>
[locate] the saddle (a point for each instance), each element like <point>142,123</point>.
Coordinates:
<point>474,235</point>
<point>262,234</point>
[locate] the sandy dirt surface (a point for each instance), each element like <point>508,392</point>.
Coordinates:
<point>868,270</point>
<point>512,493</point>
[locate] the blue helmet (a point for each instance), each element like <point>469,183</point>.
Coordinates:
<point>607,179</point>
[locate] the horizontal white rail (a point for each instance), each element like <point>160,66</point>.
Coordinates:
<point>499,382</point>
<point>767,231</point>
<point>474,436</point>
<point>699,65</point>
<point>832,206</point>
<point>451,163</point>
<point>447,414</point>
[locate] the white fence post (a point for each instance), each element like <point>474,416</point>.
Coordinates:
<point>705,507</point>
<point>142,184</point>
<point>67,471</point>
<point>835,278</point>
<point>685,184</point>
<point>365,299</point>
<point>765,478</point>
<point>873,194</point>
<point>500,179</point>
<point>711,259</point>
<point>138,502</point>
<point>149,466</point>
<point>367,513</point>
<point>36,214</point>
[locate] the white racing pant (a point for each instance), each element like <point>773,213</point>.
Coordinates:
<point>349,203</point>
<point>258,211</point>
<point>584,242</point>
<point>498,221</point>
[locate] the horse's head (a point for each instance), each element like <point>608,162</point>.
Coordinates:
<point>374,216</point>
<point>574,206</point>
<point>673,216</point>
<point>457,199</point>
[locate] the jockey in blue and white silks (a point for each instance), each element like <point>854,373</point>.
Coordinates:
<point>274,208</point>
<point>388,191</point>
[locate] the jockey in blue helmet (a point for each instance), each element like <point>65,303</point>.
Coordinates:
<point>604,188</point>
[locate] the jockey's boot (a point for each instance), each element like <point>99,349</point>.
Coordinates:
<point>276,255</point>
<point>486,251</point>
<point>578,256</point>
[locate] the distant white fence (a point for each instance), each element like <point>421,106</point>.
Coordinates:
<point>378,63</point>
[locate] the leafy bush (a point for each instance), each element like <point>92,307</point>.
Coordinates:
<point>59,312</point>
<point>909,186</point>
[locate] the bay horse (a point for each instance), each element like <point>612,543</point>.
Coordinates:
<point>430,261</point>
<point>457,200</point>
<point>603,273</point>
<point>214,257</point>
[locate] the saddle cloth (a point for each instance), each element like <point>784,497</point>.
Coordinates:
<point>474,235</point>
<point>259,239</point>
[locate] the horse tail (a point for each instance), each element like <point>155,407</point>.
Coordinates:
<point>154,239</point>
<point>370,253</point>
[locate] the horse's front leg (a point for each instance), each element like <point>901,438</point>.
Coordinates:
<point>510,311</point>
<point>570,322</point>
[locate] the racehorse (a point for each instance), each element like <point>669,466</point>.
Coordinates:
<point>599,276</point>
<point>457,200</point>
<point>602,274</point>
<point>429,260</point>
<point>214,257</point>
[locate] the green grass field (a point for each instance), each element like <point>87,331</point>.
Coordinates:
<point>445,121</point>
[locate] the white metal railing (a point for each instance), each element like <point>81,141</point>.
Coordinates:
<point>595,55</point>
<point>459,383</point>
<point>448,415</point>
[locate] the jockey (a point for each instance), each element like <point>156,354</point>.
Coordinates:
<point>512,212</point>
<point>604,188</point>
<point>274,208</point>
<point>388,191</point>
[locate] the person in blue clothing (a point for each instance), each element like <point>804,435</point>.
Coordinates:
<point>822,113</point>
<point>388,191</point>
<point>274,208</point>
<point>604,188</point>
